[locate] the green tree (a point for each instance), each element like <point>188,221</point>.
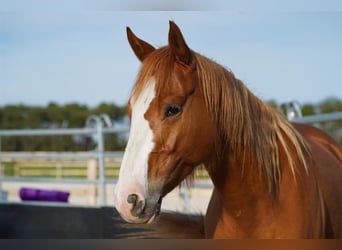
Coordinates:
<point>308,109</point>
<point>330,105</point>
<point>71,115</point>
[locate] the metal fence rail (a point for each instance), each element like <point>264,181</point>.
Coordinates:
<point>63,155</point>
<point>335,116</point>
<point>98,128</point>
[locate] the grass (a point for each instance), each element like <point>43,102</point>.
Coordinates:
<point>73,169</point>
<point>52,171</point>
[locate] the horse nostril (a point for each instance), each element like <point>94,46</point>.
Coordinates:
<point>138,206</point>
<point>132,198</point>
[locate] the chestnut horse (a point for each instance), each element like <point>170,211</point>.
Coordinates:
<point>272,178</point>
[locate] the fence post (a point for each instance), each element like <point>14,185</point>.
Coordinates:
<point>92,175</point>
<point>100,153</point>
<point>184,194</point>
<point>0,172</point>
<point>59,170</point>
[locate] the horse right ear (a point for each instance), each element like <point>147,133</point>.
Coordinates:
<point>141,48</point>
<point>177,43</point>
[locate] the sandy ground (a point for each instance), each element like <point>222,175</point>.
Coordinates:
<point>193,200</point>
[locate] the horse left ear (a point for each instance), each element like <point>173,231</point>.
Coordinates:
<point>178,45</point>
<point>140,48</point>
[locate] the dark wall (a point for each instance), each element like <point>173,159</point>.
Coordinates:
<point>39,221</point>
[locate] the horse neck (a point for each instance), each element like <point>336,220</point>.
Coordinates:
<point>247,167</point>
<point>242,192</point>
<point>255,144</point>
<point>235,177</point>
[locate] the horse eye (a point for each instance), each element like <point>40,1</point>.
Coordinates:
<point>172,110</point>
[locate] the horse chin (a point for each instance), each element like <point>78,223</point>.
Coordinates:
<point>153,218</point>
<point>156,212</point>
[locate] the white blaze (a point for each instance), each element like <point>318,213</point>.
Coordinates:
<point>133,170</point>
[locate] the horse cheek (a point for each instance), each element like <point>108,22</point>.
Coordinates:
<point>199,140</point>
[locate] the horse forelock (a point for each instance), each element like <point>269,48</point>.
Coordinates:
<point>157,65</point>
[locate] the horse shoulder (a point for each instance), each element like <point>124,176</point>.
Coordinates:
<point>326,164</point>
<point>316,136</point>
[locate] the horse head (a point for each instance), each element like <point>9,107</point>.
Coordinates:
<point>171,130</point>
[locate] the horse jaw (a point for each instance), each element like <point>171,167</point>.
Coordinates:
<point>133,175</point>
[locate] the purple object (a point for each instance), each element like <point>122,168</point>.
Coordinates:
<point>33,194</point>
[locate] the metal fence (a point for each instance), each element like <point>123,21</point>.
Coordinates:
<point>98,126</point>
<point>293,113</point>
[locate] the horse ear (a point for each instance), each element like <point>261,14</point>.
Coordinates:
<point>141,48</point>
<point>178,45</point>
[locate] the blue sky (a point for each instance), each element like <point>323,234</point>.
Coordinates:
<point>80,54</point>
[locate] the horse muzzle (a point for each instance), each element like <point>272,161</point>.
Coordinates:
<point>137,209</point>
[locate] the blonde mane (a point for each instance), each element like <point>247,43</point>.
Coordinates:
<point>245,122</point>
<point>249,125</point>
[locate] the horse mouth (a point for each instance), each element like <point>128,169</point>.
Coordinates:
<point>156,212</point>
